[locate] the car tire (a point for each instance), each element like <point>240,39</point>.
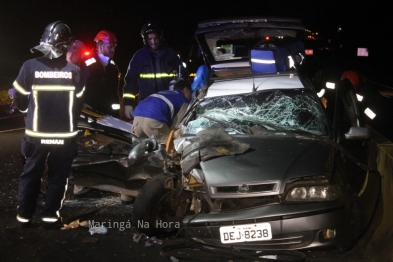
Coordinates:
<point>157,209</point>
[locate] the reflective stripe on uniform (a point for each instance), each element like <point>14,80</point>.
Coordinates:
<point>166,101</point>
<point>128,95</point>
<point>47,135</point>
<point>90,61</point>
<point>20,89</point>
<point>35,112</point>
<point>70,107</point>
<point>49,219</point>
<point>80,94</point>
<point>263,61</point>
<point>158,75</point>
<point>52,88</point>
<point>22,219</point>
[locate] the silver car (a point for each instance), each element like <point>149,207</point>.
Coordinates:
<point>259,162</point>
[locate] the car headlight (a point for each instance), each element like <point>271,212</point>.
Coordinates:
<point>314,193</point>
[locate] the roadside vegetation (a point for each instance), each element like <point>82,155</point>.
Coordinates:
<point>4,97</point>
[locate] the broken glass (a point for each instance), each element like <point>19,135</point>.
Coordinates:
<point>274,110</point>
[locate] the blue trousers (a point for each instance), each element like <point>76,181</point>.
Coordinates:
<point>59,160</point>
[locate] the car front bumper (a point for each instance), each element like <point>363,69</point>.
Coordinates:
<point>294,230</point>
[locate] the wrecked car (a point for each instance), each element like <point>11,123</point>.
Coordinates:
<point>258,162</point>
<point>110,158</point>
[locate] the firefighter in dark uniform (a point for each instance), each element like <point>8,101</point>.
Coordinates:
<point>102,87</point>
<point>50,90</point>
<point>151,69</point>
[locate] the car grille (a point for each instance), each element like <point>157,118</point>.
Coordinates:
<point>237,204</point>
<point>253,188</point>
<point>245,190</point>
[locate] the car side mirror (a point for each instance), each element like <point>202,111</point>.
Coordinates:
<point>358,133</point>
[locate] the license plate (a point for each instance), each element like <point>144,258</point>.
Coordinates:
<point>246,233</point>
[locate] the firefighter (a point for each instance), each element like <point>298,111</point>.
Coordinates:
<point>50,89</point>
<point>151,69</point>
<point>102,87</point>
<point>159,113</point>
<point>75,55</point>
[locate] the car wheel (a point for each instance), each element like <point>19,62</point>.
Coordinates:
<point>158,209</point>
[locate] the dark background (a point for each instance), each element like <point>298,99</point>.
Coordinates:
<point>22,23</point>
<point>365,24</point>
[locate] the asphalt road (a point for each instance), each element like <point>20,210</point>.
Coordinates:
<point>77,244</point>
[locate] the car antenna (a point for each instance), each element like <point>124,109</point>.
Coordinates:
<point>254,89</point>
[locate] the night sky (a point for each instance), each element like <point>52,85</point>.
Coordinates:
<point>22,22</point>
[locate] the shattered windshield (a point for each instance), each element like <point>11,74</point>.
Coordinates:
<point>293,109</point>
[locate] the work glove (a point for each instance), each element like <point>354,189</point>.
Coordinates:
<point>128,111</point>
<point>11,93</point>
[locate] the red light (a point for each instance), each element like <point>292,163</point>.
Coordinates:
<point>86,53</point>
<point>267,38</point>
<point>309,51</point>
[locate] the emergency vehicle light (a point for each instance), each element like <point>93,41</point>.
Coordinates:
<point>362,51</point>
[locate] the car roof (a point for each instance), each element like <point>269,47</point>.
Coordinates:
<point>245,84</point>
<point>252,21</point>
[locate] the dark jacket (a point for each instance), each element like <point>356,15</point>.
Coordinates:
<point>149,73</point>
<point>102,87</point>
<point>51,91</point>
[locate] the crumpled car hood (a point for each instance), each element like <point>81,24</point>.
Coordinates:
<point>269,158</point>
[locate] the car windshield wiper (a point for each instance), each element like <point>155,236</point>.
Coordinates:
<point>278,129</point>
<point>228,124</point>
<point>268,126</point>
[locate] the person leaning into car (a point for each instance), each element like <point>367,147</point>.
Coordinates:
<point>159,113</point>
